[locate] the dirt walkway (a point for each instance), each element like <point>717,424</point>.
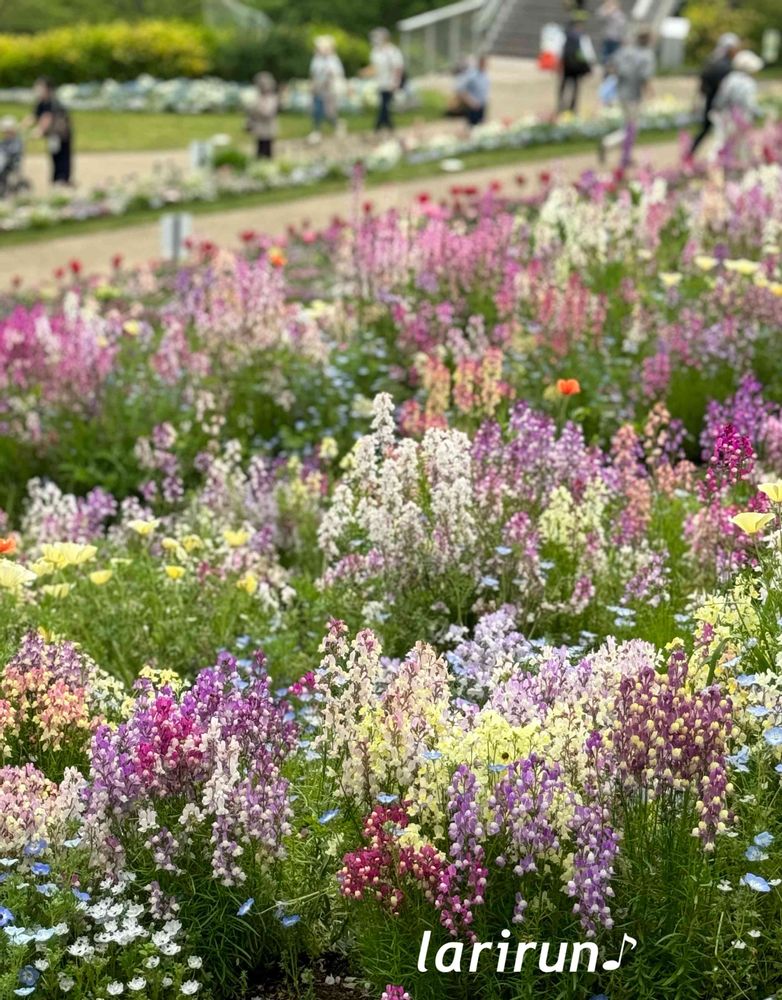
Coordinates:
<point>35,262</point>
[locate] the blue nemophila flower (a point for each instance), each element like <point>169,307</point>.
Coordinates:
<point>746,680</point>
<point>503,550</point>
<point>35,849</point>
<point>431,755</point>
<point>490,582</point>
<point>764,839</point>
<point>24,991</point>
<point>243,641</point>
<point>328,816</point>
<point>29,975</point>
<point>778,768</point>
<point>773,736</point>
<point>599,996</point>
<point>46,888</point>
<point>245,908</point>
<point>498,768</point>
<point>290,920</point>
<point>83,897</point>
<point>6,917</point>
<point>757,711</point>
<point>755,882</point>
<point>40,868</point>
<point>9,862</point>
<point>740,759</point>
<point>754,853</point>
<point>385,798</point>
<point>73,842</point>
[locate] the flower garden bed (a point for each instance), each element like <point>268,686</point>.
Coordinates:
<point>403,586</point>
<point>170,186</point>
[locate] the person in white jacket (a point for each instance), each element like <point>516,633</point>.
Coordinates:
<point>736,108</point>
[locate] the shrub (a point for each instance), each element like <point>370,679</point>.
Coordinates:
<point>283,51</point>
<point>710,19</point>
<point>119,50</point>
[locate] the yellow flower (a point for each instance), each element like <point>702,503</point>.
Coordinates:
<point>670,279</point>
<point>772,490</point>
<point>62,554</point>
<point>192,542</point>
<point>175,572</point>
<point>172,545</point>
<point>776,288</point>
<point>752,523</point>
<point>13,576</point>
<point>328,448</point>
<point>41,567</point>
<point>248,583</point>
<point>143,528</point>
<point>706,263</point>
<point>57,590</point>
<point>742,266</point>
<point>132,328</point>
<point>101,576</point>
<point>236,538</point>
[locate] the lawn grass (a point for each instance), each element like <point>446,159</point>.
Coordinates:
<point>404,172</point>
<point>141,131</point>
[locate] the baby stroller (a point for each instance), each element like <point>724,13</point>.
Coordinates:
<point>12,179</point>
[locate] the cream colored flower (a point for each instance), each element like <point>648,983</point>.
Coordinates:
<point>706,263</point>
<point>772,490</point>
<point>57,590</point>
<point>751,523</point>
<point>63,554</point>
<point>13,576</point>
<point>101,576</point>
<point>142,527</point>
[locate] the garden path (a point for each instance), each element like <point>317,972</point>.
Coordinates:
<point>518,88</point>
<point>35,262</point>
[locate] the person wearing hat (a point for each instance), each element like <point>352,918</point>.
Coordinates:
<point>717,68</point>
<point>262,115</point>
<point>736,106</point>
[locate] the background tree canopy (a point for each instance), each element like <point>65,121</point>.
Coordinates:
<point>357,17</point>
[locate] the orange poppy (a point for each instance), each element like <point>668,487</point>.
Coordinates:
<point>277,258</point>
<point>7,546</point>
<point>568,386</point>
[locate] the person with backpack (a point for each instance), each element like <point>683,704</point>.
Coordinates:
<point>53,123</point>
<point>634,66</point>
<point>715,71</point>
<point>575,65</point>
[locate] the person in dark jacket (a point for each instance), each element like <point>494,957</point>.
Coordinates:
<point>53,124</point>
<point>575,66</point>
<point>716,70</point>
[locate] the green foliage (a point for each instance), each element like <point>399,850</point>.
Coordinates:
<point>92,52</point>
<point>711,18</point>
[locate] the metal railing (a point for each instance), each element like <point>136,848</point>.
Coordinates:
<point>439,39</point>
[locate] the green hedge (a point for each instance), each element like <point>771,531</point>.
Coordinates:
<point>98,51</point>
<point>122,50</point>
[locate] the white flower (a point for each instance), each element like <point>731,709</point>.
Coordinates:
<point>190,987</point>
<point>66,984</point>
<point>195,962</point>
<point>152,962</point>
<point>137,983</point>
<point>115,989</point>
<point>166,981</point>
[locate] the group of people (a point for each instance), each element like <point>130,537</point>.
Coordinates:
<point>728,86</point>
<point>327,77</point>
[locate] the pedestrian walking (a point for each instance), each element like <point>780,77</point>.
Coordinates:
<point>387,65</point>
<point>736,108</point>
<point>53,124</point>
<point>717,68</point>
<point>262,115</point>
<point>327,75</point>
<point>575,65</point>
<point>613,27</point>
<point>634,66</point>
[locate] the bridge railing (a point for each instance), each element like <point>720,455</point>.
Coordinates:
<point>438,39</point>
